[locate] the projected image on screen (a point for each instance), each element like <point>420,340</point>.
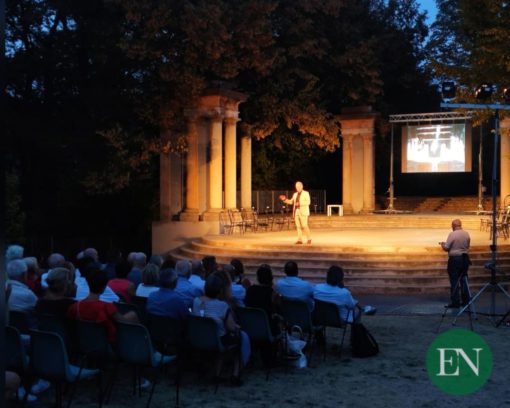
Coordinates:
<point>435,148</point>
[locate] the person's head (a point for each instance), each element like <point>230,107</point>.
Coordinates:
<point>265,275</point>
<point>210,264</point>
<point>197,268</point>
<point>97,278</point>
<point>55,260</point>
<point>32,264</point>
<point>58,280</point>
<point>83,263</point>
<point>226,288</point>
<point>14,252</point>
<point>131,257</point>
<point>17,270</point>
<point>169,262</point>
<point>335,276</point>
<point>92,252</point>
<point>150,275</point>
<point>291,268</point>
<point>456,224</point>
<point>183,268</point>
<point>299,186</point>
<point>167,278</point>
<point>72,270</point>
<point>238,270</point>
<point>122,269</point>
<point>213,286</point>
<point>156,260</point>
<point>139,260</point>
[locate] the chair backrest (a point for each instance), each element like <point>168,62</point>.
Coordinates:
<point>327,314</point>
<point>124,308</point>
<point>140,302</point>
<point>224,218</point>
<point>48,356</point>
<point>203,334</point>
<point>92,340</point>
<point>21,320</point>
<point>165,330</point>
<point>255,323</point>
<point>296,313</point>
<point>134,343</point>
<point>16,358</point>
<point>54,324</point>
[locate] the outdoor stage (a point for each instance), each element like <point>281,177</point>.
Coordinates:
<point>379,253</point>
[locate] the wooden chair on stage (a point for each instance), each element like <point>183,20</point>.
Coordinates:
<point>225,224</point>
<point>236,220</point>
<point>502,224</point>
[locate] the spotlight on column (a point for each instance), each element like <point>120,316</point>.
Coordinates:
<point>448,89</point>
<point>484,91</point>
<point>506,94</point>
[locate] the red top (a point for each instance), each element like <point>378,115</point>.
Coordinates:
<point>120,286</point>
<point>95,311</point>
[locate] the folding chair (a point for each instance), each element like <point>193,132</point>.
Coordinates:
<point>134,346</point>
<point>296,313</point>
<point>203,336</point>
<point>49,361</point>
<point>256,324</point>
<point>328,315</point>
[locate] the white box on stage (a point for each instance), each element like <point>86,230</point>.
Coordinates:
<point>339,207</point>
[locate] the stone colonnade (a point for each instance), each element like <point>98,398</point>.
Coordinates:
<point>505,160</point>
<point>358,176</point>
<point>203,182</point>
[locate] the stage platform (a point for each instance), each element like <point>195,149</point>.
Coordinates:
<point>379,253</point>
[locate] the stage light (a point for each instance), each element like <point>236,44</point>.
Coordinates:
<point>448,89</point>
<point>484,91</point>
<point>506,94</point>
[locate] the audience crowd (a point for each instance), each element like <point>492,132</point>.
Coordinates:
<point>87,289</point>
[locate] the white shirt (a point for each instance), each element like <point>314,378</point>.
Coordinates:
<point>296,288</point>
<point>339,296</point>
<point>82,291</point>
<point>145,291</point>
<point>22,299</point>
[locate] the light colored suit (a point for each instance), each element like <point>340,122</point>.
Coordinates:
<point>301,213</point>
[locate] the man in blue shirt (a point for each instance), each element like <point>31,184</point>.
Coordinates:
<point>185,289</point>
<point>165,301</point>
<point>293,287</point>
<point>333,291</point>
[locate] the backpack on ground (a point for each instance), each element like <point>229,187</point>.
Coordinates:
<point>362,342</point>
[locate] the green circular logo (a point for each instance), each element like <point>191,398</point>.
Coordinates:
<point>459,362</point>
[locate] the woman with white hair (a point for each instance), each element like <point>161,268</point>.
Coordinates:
<point>14,252</point>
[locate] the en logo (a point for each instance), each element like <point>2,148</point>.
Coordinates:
<point>459,362</point>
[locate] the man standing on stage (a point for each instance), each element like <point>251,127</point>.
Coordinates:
<point>301,210</point>
<point>457,246</point>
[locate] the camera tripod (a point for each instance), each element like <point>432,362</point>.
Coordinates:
<point>463,279</point>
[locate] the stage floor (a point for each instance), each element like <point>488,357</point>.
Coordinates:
<point>355,239</point>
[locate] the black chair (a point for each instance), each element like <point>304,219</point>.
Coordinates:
<point>296,313</point>
<point>22,321</point>
<point>328,315</point>
<point>94,348</point>
<point>56,324</point>
<point>166,333</point>
<point>16,358</point>
<point>134,346</point>
<point>255,323</point>
<point>124,308</point>
<point>49,360</point>
<point>203,336</point>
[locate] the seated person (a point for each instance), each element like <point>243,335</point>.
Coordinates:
<point>210,306</point>
<point>82,287</point>
<point>54,261</point>
<point>293,287</point>
<point>185,289</point>
<point>150,281</point>
<point>56,300</point>
<point>197,275</point>
<point>239,283</point>
<point>122,287</point>
<point>33,275</point>
<point>21,298</point>
<point>138,261</point>
<point>93,309</point>
<point>210,265</point>
<point>263,296</point>
<point>333,291</point>
<point>166,301</point>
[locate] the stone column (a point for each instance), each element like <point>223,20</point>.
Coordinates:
<point>505,160</point>
<point>246,172</point>
<point>368,173</point>
<point>230,163</point>
<point>215,202</point>
<point>191,211</point>
<point>347,173</point>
